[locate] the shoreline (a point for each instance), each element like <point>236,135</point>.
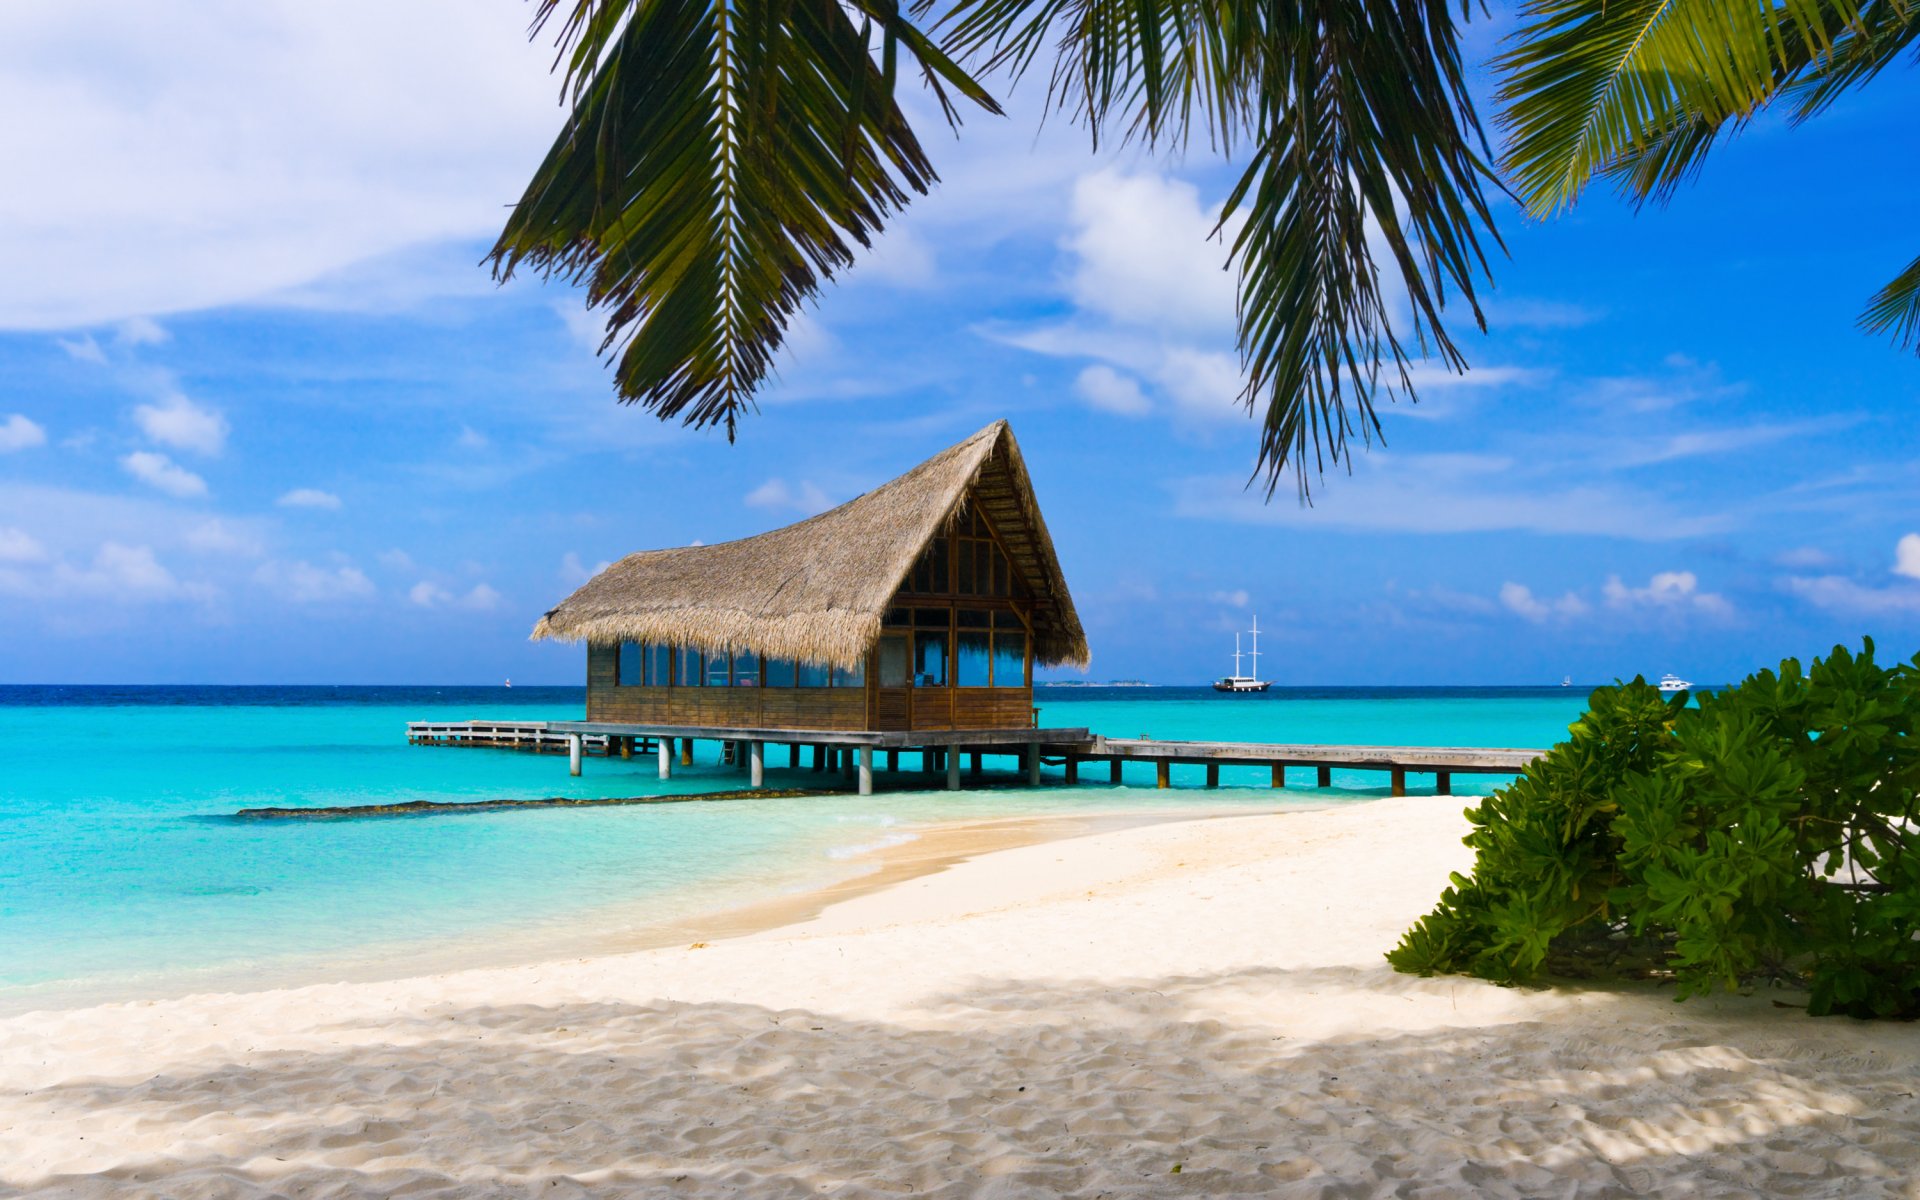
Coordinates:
<point>925,850</point>
<point>1084,1017</point>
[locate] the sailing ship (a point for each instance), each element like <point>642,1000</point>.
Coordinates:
<point>1237,682</point>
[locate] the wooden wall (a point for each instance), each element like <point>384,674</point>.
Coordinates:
<point>727,707</point>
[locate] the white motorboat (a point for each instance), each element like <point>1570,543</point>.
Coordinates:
<point>1673,683</point>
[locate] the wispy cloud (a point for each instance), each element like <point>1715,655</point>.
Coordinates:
<point>305,583</point>
<point>1450,493</point>
<point>1519,598</point>
<point>802,497</point>
<point>178,422</point>
<point>1666,591</point>
<point>1111,391</point>
<point>309,498</point>
<point>160,472</point>
<point>18,433</point>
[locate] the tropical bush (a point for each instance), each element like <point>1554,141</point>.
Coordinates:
<point>1768,834</point>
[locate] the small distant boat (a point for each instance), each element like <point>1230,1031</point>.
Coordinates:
<point>1566,681</point>
<point>1673,683</point>
<point>509,683</point>
<point>1237,682</point>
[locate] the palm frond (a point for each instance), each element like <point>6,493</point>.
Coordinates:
<point>1895,308</point>
<point>1365,129</point>
<point>1883,29</point>
<point>718,158</point>
<point>1359,123</point>
<point>1626,86</point>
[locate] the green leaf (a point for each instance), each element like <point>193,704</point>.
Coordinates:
<point>717,162</point>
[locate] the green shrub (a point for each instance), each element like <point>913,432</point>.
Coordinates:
<point>1770,832</point>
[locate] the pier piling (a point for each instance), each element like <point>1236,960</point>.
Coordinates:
<point>756,763</point>
<point>573,754</point>
<point>866,770</point>
<point>666,757</point>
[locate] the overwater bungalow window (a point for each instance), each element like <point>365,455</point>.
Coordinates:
<point>633,664</point>
<point>812,674</point>
<point>929,575</point>
<point>659,665</point>
<point>746,669</point>
<point>690,667</point>
<point>930,658</point>
<point>1009,650</point>
<point>717,673</point>
<point>780,672</point>
<point>973,648</point>
<point>853,676</point>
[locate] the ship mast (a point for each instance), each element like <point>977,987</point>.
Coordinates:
<point>1256,649</point>
<point>1236,656</point>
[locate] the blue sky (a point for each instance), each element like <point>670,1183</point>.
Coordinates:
<point>264,419</point>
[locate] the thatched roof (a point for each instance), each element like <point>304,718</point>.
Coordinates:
<point>818,589</point>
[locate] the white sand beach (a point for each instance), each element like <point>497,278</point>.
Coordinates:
<point>1195,1008</point>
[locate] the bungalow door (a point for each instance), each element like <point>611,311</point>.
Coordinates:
<point>893,684</point>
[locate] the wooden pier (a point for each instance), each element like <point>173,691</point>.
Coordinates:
<point>855,754</point>
<point>1442,762</point>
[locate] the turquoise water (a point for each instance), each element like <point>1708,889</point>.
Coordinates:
<point>123,875</point>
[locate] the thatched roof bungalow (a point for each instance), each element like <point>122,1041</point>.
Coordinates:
<point>922,604</point>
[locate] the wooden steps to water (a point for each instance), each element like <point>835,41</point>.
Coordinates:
<point>533,736</point>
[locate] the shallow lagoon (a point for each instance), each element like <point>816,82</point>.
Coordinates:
<point>122,873</point>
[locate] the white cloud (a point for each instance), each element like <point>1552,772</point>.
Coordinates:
<point>223,537</point>
<point>1143,254</point>
<point>472,439</point>
<point>1837,593</point>
<point>1447,493</point>
<point>395,560</point>
<point>1236,598</point>
<point>178,422</point>
<point>573,572</point>
<point>1206,383</point>
<point>83,349</point>
<point>1519,598</point>
<point>19,546</point>
<point>159,471</point>
<point>309,498</point>
<point>1672,591</point>
<point>1906,556</point>
<point>899,257</point>
<point>305,583</point>
<point>479,598</point>
<point>18,433</point>
<point>1804,557</point>
<point>119,573</point>
<point>140,331</point>
<point>1109,390</point>
<point>803,497</point>
<point>142,187</point>
<point>1519,313</point>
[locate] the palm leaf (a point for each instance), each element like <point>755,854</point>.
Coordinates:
<point>718,158</point>
<point>1359,122</point>
<point>1895,308</point>
<point>1631,87</point>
